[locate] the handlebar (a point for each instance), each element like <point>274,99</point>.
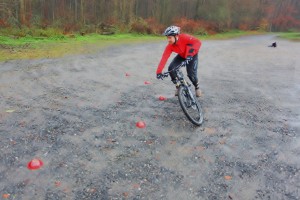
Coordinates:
<point>166,74</point>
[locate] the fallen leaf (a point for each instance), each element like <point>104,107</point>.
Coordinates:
<point>110,140</point>
<point>222,158</point>
<point>91,190</point>
<point>173,142</point>
<point>222,142</point>
<point>10,111</point>
<point>199,148</point>
<point>149,142</point>
<point>125,194</point>
<point>5,196</point>
<point>57,183</point>
<point>22,124</point>
<point>12,142</point>
<point>67,190</point>
<point>210,130</point>
<point>136,186</point>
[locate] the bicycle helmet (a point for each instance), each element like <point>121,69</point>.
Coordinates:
<point>172,31</point>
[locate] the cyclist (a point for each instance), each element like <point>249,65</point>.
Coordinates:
<point>186,47</point>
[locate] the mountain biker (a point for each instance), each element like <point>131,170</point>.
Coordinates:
<point>186,47</point>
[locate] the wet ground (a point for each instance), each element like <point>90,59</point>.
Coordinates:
<point>78,114</point>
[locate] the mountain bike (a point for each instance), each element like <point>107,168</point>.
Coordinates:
<point>188,101</point>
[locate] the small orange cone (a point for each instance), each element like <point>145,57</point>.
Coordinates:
<point>35,164</point>
<point>140,124</point>
<point>162,98</point>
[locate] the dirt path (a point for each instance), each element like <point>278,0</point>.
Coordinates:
<point>78,115</point>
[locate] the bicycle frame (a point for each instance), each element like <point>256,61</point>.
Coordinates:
<point>180,79</point>
<point>186,98</point>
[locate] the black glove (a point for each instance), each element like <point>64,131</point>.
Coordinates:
<point>188,59</point>
<point>159,76</point>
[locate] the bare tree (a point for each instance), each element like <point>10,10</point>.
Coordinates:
<point>227,14</point>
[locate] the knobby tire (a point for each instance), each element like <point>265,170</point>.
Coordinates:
<point>183,97</point>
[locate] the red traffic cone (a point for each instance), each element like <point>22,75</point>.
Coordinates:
<point>162,98</point>
<point>35,164</point>
<point>140,124</point>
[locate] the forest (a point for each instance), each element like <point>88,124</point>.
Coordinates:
<point>151,16</point>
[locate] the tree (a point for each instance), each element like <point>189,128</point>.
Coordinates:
<point>22,12</point>
<point>224,14</point>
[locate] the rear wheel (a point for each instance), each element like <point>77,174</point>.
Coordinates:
<point>192,109</point>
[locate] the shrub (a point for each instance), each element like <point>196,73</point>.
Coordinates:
<point>154,26</point>
<point>244,27</point>
<point>187,25</point>
<point>69,28</point>
<point>3,23</point>
<point>49,32</point>
<point>140,26</point>
<point>146,26</point>
<point>198,27</point>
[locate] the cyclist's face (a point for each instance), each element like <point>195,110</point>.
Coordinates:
<point>171,39</point>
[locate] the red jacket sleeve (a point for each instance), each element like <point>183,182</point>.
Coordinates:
<point>164,59</point>
<point>193,46</point>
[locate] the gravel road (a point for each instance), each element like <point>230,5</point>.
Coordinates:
<point>78,115</point>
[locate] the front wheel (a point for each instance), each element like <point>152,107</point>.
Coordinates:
<point>190,106</point>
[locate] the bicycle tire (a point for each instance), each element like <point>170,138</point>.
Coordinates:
<point>185,101</point>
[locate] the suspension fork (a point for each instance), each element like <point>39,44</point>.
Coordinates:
<point>187,85</point>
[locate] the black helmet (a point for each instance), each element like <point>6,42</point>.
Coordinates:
<point>171,31</point>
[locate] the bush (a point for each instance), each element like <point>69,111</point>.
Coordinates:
<point>187,25</point>
<point>140,26</point>
<point>32,32</point>
<point>3,23</point>
<point>263,25</point>
<point>146,26</point>
<point>49,32</point>
<point>198,27</point>
<point>154,26</point>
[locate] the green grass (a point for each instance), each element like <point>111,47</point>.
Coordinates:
<point>32,44</point>
<point>12,47</point>
<point>290,36</point>
<point>230,34</point>
<point>92,38</point>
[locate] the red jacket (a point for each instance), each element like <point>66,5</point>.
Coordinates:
<point>186,45</point>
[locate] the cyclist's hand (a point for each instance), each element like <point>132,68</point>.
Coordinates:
<point>188,59</point>
<point>159,76</point>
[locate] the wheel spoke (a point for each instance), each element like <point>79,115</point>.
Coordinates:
<point>190,107</point>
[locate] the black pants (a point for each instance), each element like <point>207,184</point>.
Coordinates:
<point>191,68</point>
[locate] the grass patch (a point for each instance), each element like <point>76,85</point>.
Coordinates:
<point>230,34</point>
<point>28,47</point>
<point>38,44</point>
<point>295,36</point>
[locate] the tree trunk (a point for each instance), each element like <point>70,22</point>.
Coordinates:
<point>22,12</point>
<point>82,11</point>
